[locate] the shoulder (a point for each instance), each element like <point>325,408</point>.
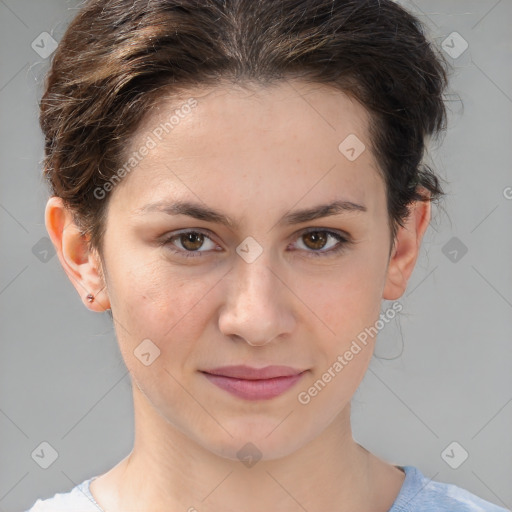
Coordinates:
<point>78,499</point>
<point>421,494</point>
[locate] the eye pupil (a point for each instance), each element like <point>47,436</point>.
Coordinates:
<point>317,237</point>
<point>196,238</point>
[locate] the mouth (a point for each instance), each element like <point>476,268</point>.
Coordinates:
<point>254,383</point>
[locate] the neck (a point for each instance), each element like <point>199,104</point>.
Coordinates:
<point>171,471</point>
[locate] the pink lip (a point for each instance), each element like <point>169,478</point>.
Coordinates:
<point>254,383</point>
<point>248,372</point>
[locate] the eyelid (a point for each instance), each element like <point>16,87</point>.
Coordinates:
<point>344,239</point>
<point>167,239</point>
<point>338,232</point>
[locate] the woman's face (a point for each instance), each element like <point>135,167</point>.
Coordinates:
<point>258,291</point>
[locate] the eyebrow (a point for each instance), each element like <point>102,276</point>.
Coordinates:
<point>201,212</point>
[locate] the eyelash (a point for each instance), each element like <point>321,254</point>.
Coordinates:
<point>343,241</point>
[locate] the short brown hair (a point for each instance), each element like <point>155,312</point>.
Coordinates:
<point>118,57</point>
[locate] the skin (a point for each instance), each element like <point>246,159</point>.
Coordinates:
<point>254,154</point>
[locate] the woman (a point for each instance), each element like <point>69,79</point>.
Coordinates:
<point>240,184</point>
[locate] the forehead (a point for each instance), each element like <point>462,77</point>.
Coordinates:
<point>283,141</point>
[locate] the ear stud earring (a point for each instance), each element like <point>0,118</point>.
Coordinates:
<point>90,297</point>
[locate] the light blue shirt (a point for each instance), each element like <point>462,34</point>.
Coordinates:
<point>418,494</point>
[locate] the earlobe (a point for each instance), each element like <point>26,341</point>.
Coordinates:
<point>83,267</point>
<point>406,250</point>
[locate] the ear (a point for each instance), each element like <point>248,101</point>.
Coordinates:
<point>406,249</point>
<point>83,267</point>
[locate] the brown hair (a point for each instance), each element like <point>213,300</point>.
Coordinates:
<point>118,57</point>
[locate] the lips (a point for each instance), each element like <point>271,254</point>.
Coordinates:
<point>250,373</point>
<point>254,383</point>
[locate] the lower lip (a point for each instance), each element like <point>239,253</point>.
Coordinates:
<point>263,389</point>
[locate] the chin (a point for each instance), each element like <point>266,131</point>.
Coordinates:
<point>260,439</point>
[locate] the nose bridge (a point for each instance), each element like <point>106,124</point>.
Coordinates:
<point>253,267</point>
<point>255,280</point>
<point>255,307</point>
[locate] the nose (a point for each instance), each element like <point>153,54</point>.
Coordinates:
<point>259,305</point>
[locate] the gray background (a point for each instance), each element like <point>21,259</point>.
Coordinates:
<point>442,372</point>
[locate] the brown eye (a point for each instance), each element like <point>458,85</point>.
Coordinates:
<point>192,240</point>
<point>317,239</point>
<point>189,243</point>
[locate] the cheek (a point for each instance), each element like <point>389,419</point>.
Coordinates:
<point>162,303</point>
<point>347,298</point>
<point>348,305</point>
<point>169,311</point>
<point>148,290</point>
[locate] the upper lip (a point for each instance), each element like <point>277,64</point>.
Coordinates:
<point>248,372</point>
